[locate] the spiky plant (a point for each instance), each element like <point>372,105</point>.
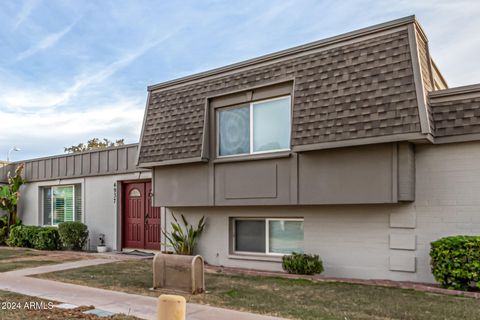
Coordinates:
<point>183,239</point>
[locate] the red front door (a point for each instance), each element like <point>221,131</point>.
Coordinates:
<point>152,227</point>
<point>141,221</point>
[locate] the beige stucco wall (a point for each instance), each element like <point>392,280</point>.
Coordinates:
<point>384,241</point>
<point>100,203</point>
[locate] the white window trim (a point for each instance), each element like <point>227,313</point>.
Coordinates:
<point>267,234</point>
<point>251,105</point>
<point>52,205</point>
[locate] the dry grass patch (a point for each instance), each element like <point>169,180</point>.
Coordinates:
<point>20,258</point>
<point>290,298</point>
<point>12,253</point>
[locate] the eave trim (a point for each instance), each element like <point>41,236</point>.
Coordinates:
<point>171,162</point>
<point>364,141</point>
<point>418,79</point>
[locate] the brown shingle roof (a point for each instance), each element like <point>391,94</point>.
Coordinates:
<point>358,89</point>
<point>456,111</point>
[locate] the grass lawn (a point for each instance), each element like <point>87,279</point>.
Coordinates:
<point>19,258</point>
<point>18,307</point>
<point>9,253</point>
<point>22,264</point>
<point>295,299</point>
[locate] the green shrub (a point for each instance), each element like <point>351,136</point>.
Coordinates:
<point>455,261</point>
<point>3,233</point>
<point>73,234</point>
<point>42,238</point>
<point>47,238</point>
<point>23,236</point>
<point>300,263</point>
<point>3,229</point>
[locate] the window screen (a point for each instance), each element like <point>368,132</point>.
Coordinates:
<point>250,235</point>
<point>260,126</point>
<point>47,206</point>
<point>285,236</point>
<point>62,203</point>
<point>234,131</point>
<point>271,125</point>
<point>78,202</point>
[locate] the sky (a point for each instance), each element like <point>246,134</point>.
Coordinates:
<point>74,70</point>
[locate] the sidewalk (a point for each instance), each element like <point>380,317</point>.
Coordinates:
<point>117,302</point>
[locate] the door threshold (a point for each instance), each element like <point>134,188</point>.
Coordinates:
<point>144,250</point>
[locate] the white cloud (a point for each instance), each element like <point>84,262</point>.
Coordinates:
<point>24,99</point>
<point>47,133</point>
<point>106,72</point>
<point>21,99</point>
<point>45,43</point>
<point>24,13</point>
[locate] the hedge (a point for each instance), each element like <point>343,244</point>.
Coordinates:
<point>42,238</point>
<point>47,239</point>
<point>73,234</point>
<point>455,261</point>
<point>300,263</point>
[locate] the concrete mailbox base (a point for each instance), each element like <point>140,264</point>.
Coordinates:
<point>178,272</point>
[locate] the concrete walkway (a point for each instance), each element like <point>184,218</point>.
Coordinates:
<point>118,302</point>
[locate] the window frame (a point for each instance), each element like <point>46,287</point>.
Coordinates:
<point>52,207</point>
<point>250,105</point>
<point>267,234</point>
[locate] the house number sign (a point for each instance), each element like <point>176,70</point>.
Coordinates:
<point>114,192</point>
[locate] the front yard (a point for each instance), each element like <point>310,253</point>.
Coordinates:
<point>295,299</point>
<point>19,258</point>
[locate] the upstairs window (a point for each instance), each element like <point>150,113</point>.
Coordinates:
<point>257,127</point>
<point>62,203</point>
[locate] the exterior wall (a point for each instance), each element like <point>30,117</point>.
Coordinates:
<point>448,202</point>
<point>332,176</point>
<point>351,240</point>
<point>380,241</point>
<point>100,204</point>
<point>113,160</point>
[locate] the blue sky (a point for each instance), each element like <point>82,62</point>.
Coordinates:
<point>73,70</point>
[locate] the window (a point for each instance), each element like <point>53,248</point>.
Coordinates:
<point>257,127</point>
<point>267,236</point>
<point>135,193</point>
<point>62,203</point>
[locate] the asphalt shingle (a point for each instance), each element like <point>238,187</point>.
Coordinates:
<point>357,90</point>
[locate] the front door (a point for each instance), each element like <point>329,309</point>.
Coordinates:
<point>141,221</point>
<point>152,218</point>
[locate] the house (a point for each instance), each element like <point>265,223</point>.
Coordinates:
<point>90,187</point>
<point>352,147</point>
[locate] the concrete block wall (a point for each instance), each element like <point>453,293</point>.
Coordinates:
<point>447,197</point>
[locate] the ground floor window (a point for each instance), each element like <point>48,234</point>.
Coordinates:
<point>267,235</point>
<point>62,203</point>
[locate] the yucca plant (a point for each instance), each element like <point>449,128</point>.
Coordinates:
<point>183,239</point>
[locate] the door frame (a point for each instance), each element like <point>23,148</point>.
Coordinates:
<point>121,205</point>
